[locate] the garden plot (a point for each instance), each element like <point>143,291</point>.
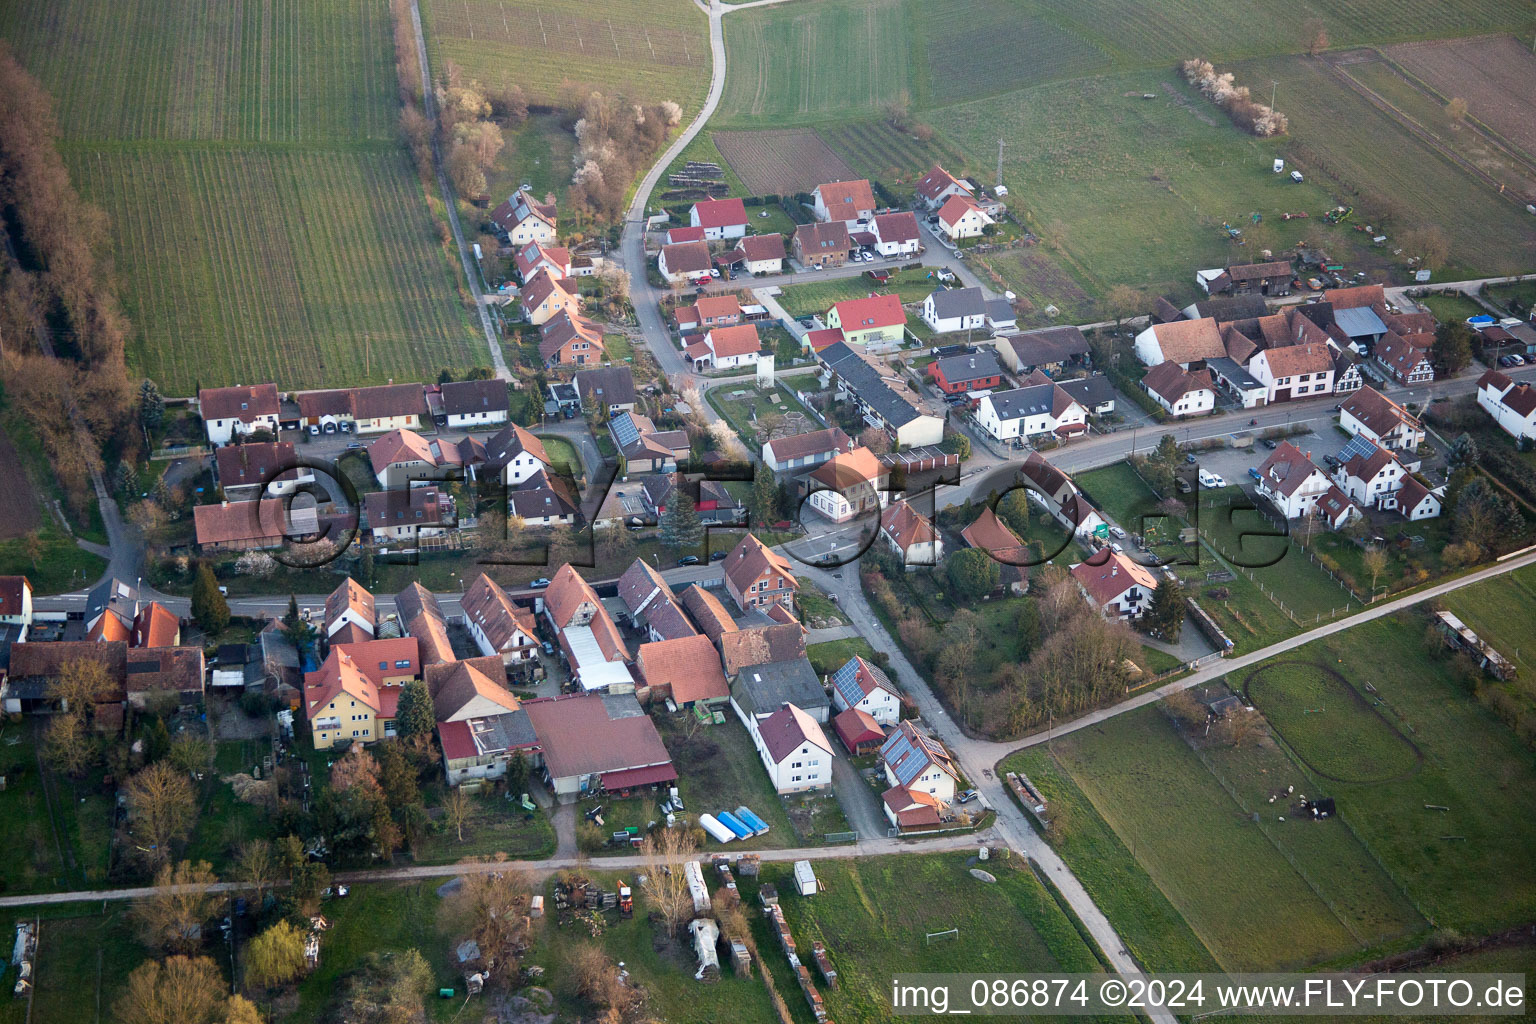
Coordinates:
<point>780,162</point>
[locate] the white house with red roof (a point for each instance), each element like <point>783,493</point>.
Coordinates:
<point>938,186</point>
<point>523,219</point>
<point>534,256</point>
<point>1512,406</point>
<point>962,217</point>
<point>764,253</point>
<point>1115,584</point>
<point>794,749</point>
<point>896,234</point>
<point>238,410</point>
<point>1291,482</point>
<point>877,321</point>
<point>684,234</point>
<point>720,218</point>
<point>911,535</point>
<point>724,347</point>
<point>847,201</point>
<point>1179,391</point>
<point>684,261</point>
<point>861,684</point>
<point>1376,417</point>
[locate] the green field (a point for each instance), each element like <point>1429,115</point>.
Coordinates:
<point>558,50</point>
<point>883,153</point>
<point>803,63</point>
<point>265,223</point>
<point>1498,610</point>
<point>873,928</point>
<point>820,296</point>
<point>1311,705</point>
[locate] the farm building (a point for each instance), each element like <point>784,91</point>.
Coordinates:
<point>1405,358</point>
<point>1272,278</point>
<point>1052,349</point>
<point>1183,342</point>
<point>1460,637</point>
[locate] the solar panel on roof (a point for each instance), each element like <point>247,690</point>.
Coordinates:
<point>1358,445</point>
<point>625,431</point>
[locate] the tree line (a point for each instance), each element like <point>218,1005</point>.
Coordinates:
<point>56,289</point>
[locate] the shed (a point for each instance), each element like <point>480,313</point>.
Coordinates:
<point>805,878</point>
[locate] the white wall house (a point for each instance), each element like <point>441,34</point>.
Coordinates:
<point>860,684</point>
<point>1293,371</point>
<point>1029,412</point>
<point>1180,392</point>
<point>794,750</point>
<point>1290,480</point>
<point>1369,413</point>
<point>1512,406</point>
<point>955,309</point>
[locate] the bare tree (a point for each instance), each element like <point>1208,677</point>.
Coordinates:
<point>456,810</point>
<point>171,917</point>
<point>80,684</point>
<point>256,865</point>
<point>1375,561</point>
<point>161,808</point>
<point>183,989</point>
<point>67,745</point>
<point>1185,709</point>
<point>491,908</point>
<point>665,854</point>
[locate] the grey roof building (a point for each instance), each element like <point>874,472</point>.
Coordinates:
<point>760,690</point>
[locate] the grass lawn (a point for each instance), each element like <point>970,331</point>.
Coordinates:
<point>814,603</point>
<point>26,828</point>
<point>1119,492</point>
<point>82,962</point>
<point>1190,832</point>
<point>744,406</point>
<point>1453,306</point>
<point>61,564</point>
<point>831,656</point>
<point>1350,739</point>
<point>820,296</point>
<point>719,770</point>
<point>1152,929</point>
<point>1523,292</point>
<point>225,822</point>
<point>562,453</point>
<point>1498,610</point>
<point>1472,764</point>
<point>619,349</point>
<point>537,152</point>
<point>873,928</point>
<point>495,825</point>
<point>1408,563</point>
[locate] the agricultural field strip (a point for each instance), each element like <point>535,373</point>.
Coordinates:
<point>1492,75</point>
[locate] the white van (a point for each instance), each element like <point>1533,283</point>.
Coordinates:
<point>1209,479</point>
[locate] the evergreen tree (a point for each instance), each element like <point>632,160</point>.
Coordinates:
<point>1451,350</point>
<point>1464,452</point>
<point>414,715</point>
<point>1165,616</point>
<point>681,528</point>
<point>297,632</point>
<point>765,498</point>
<point>208,605</point>
<point>1014,510</point>
<point>972,573</point>
<point>151,406</point>
<point>517,772</point>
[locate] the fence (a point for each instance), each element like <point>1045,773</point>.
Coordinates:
<point>840,837</point>
<point>190,451</point>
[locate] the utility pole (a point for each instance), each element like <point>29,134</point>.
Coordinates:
<point>1000,144</point>
<point>367,356</point>
<point>1273,85</point>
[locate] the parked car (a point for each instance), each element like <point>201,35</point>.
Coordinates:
<point>1271,443</point>
<point>353,446</point>
<point>967,796</point>
<point>539,584</point>
<point>1115,531</point>
<point>718,556</point>
<point>549,648</point>
<point>688,560</point>
<point>1209,479</point>
<point>1253,471</point>
<point>314,430</point>
<point>1190,459</point>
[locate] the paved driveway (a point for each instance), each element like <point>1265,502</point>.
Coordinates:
<point>860,803</point>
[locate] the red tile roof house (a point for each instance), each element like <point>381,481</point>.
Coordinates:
<point>976,371</point>
<point>1405,359</point>
<point>921,774</point>
<point>350,604</point>
<point>546,294</point>
<point>533,256</point>
<point>710,311</point>
<point>589,638</point>
<point>845,201</point>
<point>686,669</point>
<point>571,340</point>
<point>644,448</point>
<point>1512,406</point>
<point>990,534</point>
<point>688,234</point>
<point>794,749</point>
<point>861,685</point>
<point>1291,482</point>
<point>1116,585</point>
<point>937,186</point>
<point>720,218</point>
<point>421,518</point>
<point>498,626</point>
<point>1381,420</point>
<point>764,254</point>
<point>388,407</point>
<point>821,245</point>
<point>1371,479</point>
<point>725,347</point>
<point>684,261</point>
<point>848,485</point>
<point>1180,392</point>
<point>238,410</point>
<point>911,535</point>
<point>757,576</point>
<point>877,321</point>
<point>248,471</point>
<point>897,234</point>
<point>804,451</point>
<point>962,217</point>
<point>523,219</point>
<point>598,742</point>
<point>250,525</point>
<point>1294,371</point>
